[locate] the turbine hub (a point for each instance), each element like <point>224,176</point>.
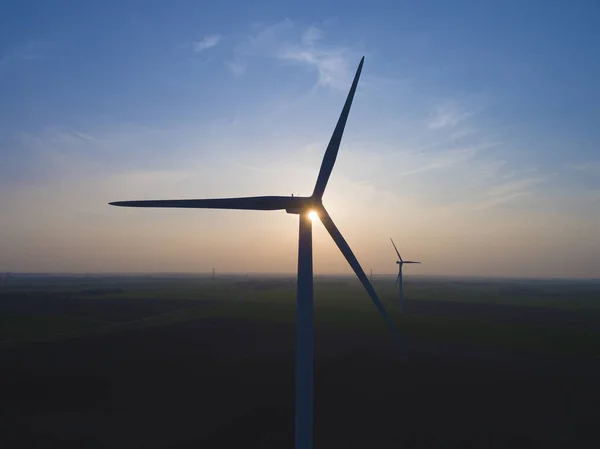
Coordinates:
<point>304,204</point>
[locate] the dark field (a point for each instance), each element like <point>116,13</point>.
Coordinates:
<point>166,362</point>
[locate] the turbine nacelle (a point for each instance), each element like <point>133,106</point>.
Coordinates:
<point>401,261</point>
<point>304,204</point>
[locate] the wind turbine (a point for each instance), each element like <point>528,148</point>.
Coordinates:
<point>306,208</point>
<point>400,263</point>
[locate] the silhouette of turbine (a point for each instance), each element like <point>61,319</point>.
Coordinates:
<point>400,263</point>
<point>304,296</point>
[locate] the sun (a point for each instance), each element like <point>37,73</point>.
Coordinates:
<point>313,215</point>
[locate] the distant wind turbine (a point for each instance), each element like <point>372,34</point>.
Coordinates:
<point>398,283</point>
<point>308,208</point>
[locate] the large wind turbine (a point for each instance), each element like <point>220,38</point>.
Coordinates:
<point>301,206</point>
<point>400,263</point>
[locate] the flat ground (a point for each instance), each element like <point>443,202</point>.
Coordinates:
<point>167,362</point>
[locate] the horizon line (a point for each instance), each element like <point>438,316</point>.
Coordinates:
<point>286,274</point>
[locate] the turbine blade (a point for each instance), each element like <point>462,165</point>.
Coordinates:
<point>248,203</point>
<point>397,279</point>
<point>349,255</point>
<point>399,256</point>
<point>336,139</point>
<point>410,261</point>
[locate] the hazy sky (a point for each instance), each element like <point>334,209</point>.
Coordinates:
<point>473,140</point>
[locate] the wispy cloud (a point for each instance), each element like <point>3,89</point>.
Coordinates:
<point>512,186</point>
<point>290,43</point>
<point>206,43</point>
<point>331,66</point>
<point>594,196</point>
<point>440,160</point>
<point>465,165</point>
<point>28,52</point>
<point>447,116</point>
<point>312,35</point>
<point>591,167</point>
<point>236,67</point>
<point>444,157</point>
<point>56,152</point>
<point>458,143</point>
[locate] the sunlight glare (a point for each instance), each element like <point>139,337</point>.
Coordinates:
<point>313,215</point>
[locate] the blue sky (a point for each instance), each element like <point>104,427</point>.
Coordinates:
<point>473,139</point>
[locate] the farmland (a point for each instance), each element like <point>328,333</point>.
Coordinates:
<point>186,361</point>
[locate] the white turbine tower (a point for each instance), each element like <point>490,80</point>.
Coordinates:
<point>398,283</point>
<point>302,206</point>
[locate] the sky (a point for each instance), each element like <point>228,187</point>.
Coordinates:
<point>473,140</point>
